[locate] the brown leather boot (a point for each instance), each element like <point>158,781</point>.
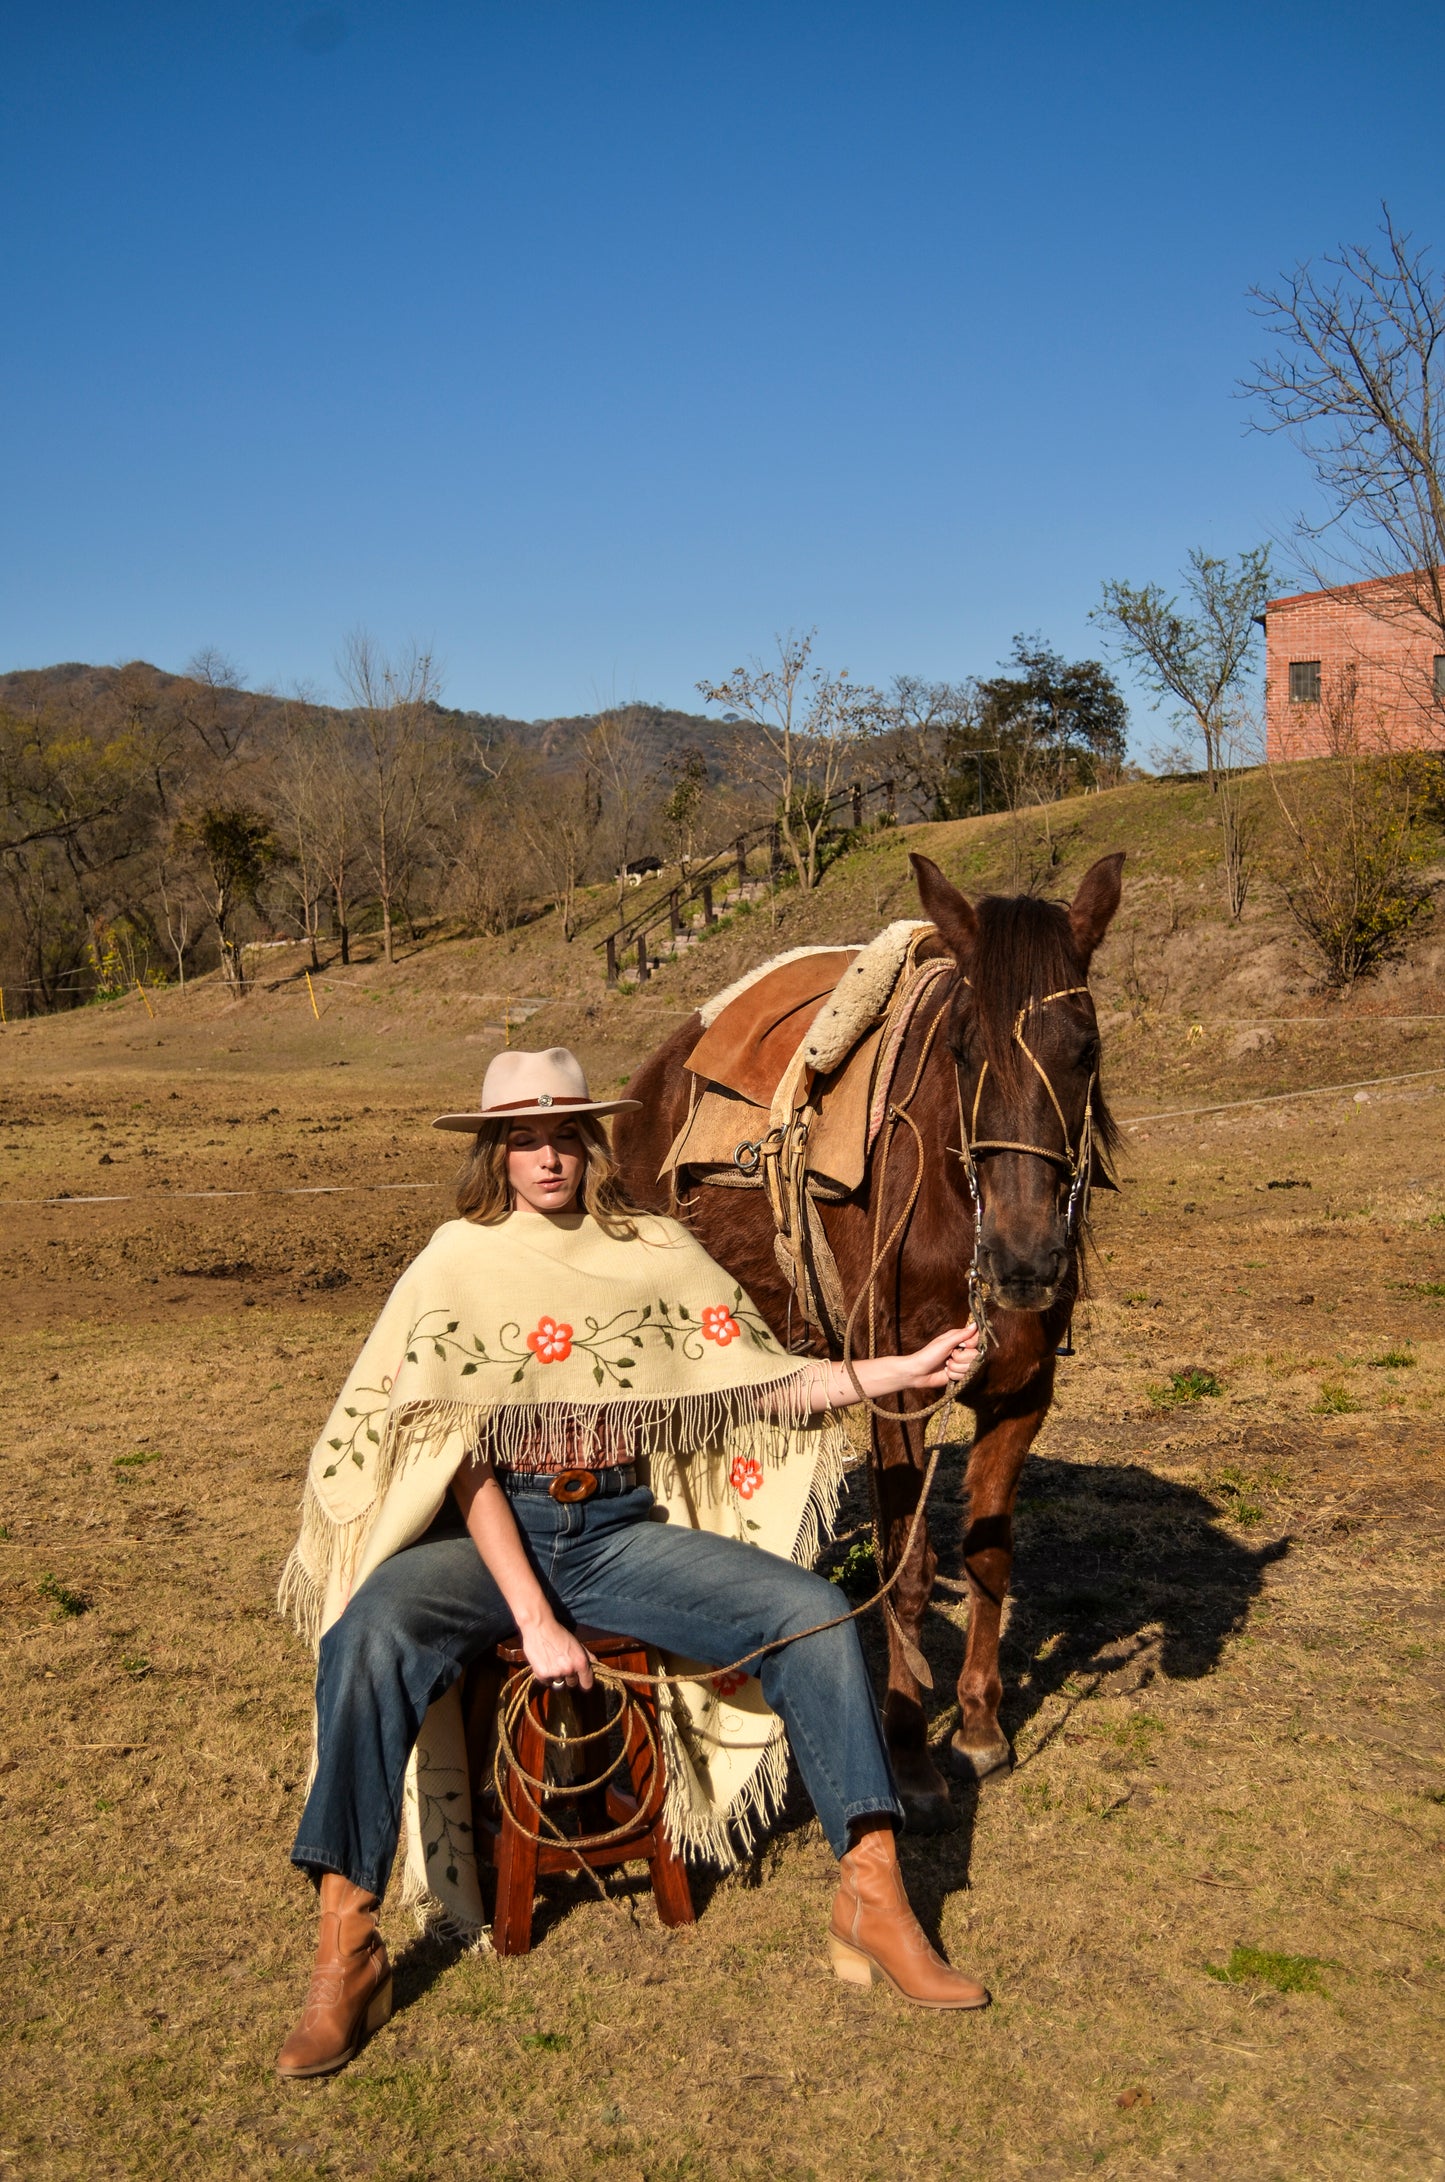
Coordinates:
<point>350,1992</point>
<point>873,1932</point>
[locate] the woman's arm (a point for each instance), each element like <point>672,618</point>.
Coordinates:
<point>553,1653</point>
<point>949,1357</point>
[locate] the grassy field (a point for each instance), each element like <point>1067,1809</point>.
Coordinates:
<point>1207,1899</point>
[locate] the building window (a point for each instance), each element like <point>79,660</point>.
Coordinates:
<point>1304,681</point>
<point>1440,674</point>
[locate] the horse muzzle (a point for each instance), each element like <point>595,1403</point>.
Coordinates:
<point>1023,1284</point>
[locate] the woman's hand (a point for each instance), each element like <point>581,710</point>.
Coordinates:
<point>946,1360</point>
<point>555,1656</point>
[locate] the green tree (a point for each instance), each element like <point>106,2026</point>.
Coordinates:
<point>1057,726</point>
<point>233,849</point>
<point>1199,658</point>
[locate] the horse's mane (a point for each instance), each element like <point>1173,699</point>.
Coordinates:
<point>1024,949</point>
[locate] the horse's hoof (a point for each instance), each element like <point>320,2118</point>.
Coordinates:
<point>929,1813</point>
<point>986,1761</point>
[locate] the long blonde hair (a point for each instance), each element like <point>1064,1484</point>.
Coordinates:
<point>484,1195</point>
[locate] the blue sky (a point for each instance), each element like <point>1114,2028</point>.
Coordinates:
<point>591,342</point>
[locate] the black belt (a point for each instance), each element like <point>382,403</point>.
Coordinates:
<point>570,1486</point>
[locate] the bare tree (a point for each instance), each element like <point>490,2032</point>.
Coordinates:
<point>399,747</point>
<point>1240,750</point>
<point>814,728</point>
<point>1356,383</point>
<point>557,823</point>
<point>217,706</point>
<point>623,788</point>
<point>934,741</point>
<point>1200,659</point>
<point>176,914</point>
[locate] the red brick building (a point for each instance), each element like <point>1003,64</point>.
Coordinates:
<point>1355,667</point>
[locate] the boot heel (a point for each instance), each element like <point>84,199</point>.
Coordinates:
<point>380,2010</point>
<point>848,1964</point>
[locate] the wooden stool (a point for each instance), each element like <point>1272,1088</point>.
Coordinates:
<point>522,1854</point>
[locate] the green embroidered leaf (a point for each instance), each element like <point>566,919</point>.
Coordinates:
<point>449,1795</point>
<point>647,1310</point>
<point>411,1356</point>
<point>452,1873</point>
<point>737,1295</point>
<point>353,1412</point>
<point>683,1311</point>
<point>478,1345</point>
<point>336,1443</point>
<point>624,1382</point>
<point>749,1524</point>
<point>468,1369</point>
<point>516,1375</point>
<point>431,1849</point>
<point>373,1436</point>
<point>358,1459</point>
<point>332,1471</point>
<point>667,1337</point>
<point>597,1373</point>
<point>452,1327</point>
<point>440,1351</point>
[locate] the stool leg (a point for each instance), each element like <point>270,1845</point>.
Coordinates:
<point>670,1889</point>
<point>517,1849</point>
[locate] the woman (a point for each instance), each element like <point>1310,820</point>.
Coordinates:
<point>474,1481</point>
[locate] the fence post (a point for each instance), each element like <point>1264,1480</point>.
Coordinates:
<point>775,851</point>
<point>612,958</point>
<point>890,790</point>
<point>708,915</point>
<point>674,915</point>
<point>742,849</point>
<point>856,791</point>
<point>643,971</point>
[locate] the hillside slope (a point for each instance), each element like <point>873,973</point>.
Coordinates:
<point>1187,999</point>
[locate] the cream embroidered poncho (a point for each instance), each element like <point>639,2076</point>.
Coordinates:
<point>528,1334</point>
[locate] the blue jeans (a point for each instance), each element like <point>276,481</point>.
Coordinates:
<point>421,1618</point>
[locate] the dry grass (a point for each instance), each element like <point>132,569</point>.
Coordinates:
<point>1224,1658</point>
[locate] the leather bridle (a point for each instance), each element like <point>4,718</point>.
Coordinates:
<point>1076,1161</point>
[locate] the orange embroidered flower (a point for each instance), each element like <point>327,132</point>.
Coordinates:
<point>746,1476</point>
<point>718,1324</point>
<point>550,1342</point>
<point>727,1684</point>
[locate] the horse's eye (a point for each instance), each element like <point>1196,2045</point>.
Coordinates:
<point>1089,1054</point>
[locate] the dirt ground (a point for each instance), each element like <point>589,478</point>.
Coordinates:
<point>1208,1899</point>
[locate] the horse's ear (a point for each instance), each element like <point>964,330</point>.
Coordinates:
<point>1092,909</point>
<point>951,911</point>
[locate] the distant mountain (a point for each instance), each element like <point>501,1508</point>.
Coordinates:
<point>74,690</point>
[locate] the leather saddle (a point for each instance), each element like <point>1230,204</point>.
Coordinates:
<point>748,1049</point>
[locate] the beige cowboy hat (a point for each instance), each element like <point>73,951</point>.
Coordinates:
<point>520,1085</point>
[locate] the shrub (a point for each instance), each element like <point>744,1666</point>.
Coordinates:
<point>1184,1387</point>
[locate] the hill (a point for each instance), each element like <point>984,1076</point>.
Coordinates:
<point>1189,1000</point>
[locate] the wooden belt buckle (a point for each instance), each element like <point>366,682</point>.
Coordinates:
<point>569,1486</point>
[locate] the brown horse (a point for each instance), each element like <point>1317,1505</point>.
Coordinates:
<point>1005,1052</point>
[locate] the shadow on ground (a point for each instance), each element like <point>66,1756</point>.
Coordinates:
<point>1120,1576</point>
